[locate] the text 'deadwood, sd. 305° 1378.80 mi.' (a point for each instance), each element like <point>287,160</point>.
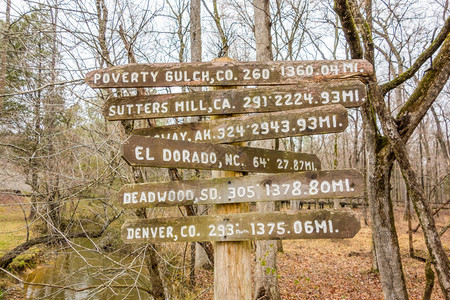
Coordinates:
<point>255,188</point>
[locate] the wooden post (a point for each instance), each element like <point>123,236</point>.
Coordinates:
<point>232,260</point>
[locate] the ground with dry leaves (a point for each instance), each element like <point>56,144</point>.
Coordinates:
<point>342,269</point>
<point>329,269</point>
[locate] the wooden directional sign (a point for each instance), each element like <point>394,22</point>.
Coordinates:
<point>258,188</point>
<point>156,152</point>
<point>298,122</point>
<point>225,73</point>
<point>349,93</point>
<point>319,224</point>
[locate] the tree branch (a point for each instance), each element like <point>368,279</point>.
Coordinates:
<point>388,86</point>
<point>344,12</point>
<point>425,93</point>
<point>6,259</point>
<point>44,87</point>
<point>91,287</point>
<point>434,213</point>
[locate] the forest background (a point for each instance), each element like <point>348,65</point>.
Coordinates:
<point>59,154</point>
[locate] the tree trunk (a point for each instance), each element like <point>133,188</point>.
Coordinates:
<point>432,238</point>
<point>196,31</point>
<point>52,100</point>
<point>410,231</point>
<point>440,138</point>
<point>152,263</point>
<point>4,54</point>
<point>397,132</point>
<point>384,233</point>
<point>36,148</point>
<point>204,251</point>
<point>429,276</point>
<point>387,252</point>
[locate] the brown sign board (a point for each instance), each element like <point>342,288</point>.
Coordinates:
<point>225,73</point>
<point>298,122</point>
<point>155,152</point>
<point>349,93</point>
<point>257,188</point>
<point>315,224</point>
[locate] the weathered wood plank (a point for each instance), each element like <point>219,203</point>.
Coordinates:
<point>232,261</point>
<point>319,224</point>
<point>155,152</point>
<point>257,188</point>
<point>349,93</point>
<point>225,73</point>
<point>298,122</point>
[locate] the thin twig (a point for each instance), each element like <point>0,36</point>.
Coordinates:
<point>71,288</point>
<point>43,87</point>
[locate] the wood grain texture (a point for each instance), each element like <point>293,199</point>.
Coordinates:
<point>232,260</point>
<point>155,152</point>
<point>349,93</point>
<point>256,188</point>
<point>222,73</point>
<point>298,122</point>
<point>316,224</point>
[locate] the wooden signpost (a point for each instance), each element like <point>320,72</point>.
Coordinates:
<point>298,105</point>
<point>319,224</point>
<point>349,93</point>
<point>155,152</point>
<point>257,188</point>
<point>225,73</point>
<point>298,122</point>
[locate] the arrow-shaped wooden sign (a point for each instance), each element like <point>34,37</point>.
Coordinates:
<point>226,73</point>
<point>256,188</point>
<point>349,93</point>
<point>298,122</point>
<point>155,152</point>
<point>319,224</point>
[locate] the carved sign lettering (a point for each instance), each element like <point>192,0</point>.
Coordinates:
<point>257,188</point>
<point>319,224</point>
<point>156,152</point>
<point>298,122</point>
<point>225,73</point>
<point>349,93</point>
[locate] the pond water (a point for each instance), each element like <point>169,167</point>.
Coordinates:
<point>86,274</point>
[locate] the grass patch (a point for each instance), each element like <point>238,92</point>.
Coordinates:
<point>13,233</point>
<point>12,229</point>
<point>28,260</point>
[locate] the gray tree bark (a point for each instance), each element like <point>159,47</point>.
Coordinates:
<point>379,166</point>
<point>393,146</point>
<point>4,54</point>
<point>196,31</point>
<point>204,252</point>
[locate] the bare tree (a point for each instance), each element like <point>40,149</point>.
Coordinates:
<point>4,53</point>
<point>52,129</point>
<point>224,34</point>
<point>397,131</point>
